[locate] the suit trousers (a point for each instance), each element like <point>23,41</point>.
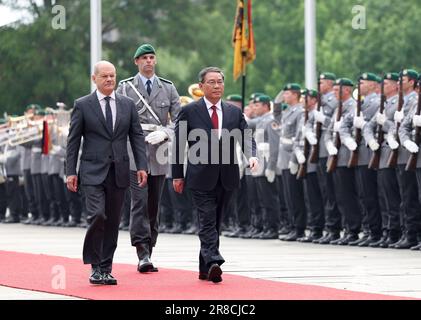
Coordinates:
<point>210,206</point>
<point>388,189</point>
<point>103,205</point>
<point>144,218</point>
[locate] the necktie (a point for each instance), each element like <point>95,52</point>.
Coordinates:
<point>148,87</point>
<point>108,114</point>
<point>214,118</point>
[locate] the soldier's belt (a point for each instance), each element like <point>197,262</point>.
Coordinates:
<point>286,141</point>
<point>36,150</point>
<point>150,127</point>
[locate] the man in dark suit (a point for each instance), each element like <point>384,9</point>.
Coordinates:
<point>104,119</point>
<point>212,128</point>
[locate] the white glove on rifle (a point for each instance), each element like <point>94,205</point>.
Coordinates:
<point>293,167</point>
<point>156,137</point>
<point>331,149</point>
<point>350,143</point>
<point>416,121</point>
<point>398,116</point>
<point>311,137</point>
<point>300,156</point>
<point>319,116</point>
<point>359,122</point>
<point>391,141</point>
<point>270,175</point>
<point>411,146</point>
<point>374,146</point>
<point>381,118</point>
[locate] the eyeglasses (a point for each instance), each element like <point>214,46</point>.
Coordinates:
<point>213,83</point>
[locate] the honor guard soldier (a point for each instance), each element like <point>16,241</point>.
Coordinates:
<point>155,98</point>
<point>3,193</point>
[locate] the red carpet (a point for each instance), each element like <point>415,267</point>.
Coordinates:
<point>39,273</point>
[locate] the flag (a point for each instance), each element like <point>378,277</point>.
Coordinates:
<point>243,41</point>
<point>46,139</point>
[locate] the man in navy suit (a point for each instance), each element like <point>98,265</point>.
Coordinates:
<point>104,119</point>
<point>212,129</point>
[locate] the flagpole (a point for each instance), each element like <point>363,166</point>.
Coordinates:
<point>243,82</point>
<point>310,43</point>
<point>96,35</point>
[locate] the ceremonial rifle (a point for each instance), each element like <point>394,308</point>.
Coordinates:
<point>302,171</point>
<point>314,154</point>
<point>353,159</point>
<point>393,158</point>
<point>332,161</point>
<point>375,158</point>
<point>411,165</point>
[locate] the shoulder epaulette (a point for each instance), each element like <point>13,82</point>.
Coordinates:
<point>165,80</point>
<point>125,80</point>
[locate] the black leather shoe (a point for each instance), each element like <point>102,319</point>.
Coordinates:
<point>370,240</point>
<point>358,240</point>
<point>379,244</point>
<point>330,236</point>
<point>96,276</point>
<point>109,279</point>
<point>269,234</point>
<point>313,236</point>
<point>406,243</point>
<point>215,273</point>
<point>145,265</point>
<point>348,239</point>
<point>203,276</point>
<point>417,247</point>
<point>284,231</point>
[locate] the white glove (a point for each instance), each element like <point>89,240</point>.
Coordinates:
<point>293,167</point>
<point>2,159</point>
<point>331,149</point>
<point>300,156</point>
<point>416,121</point>
<point>398,116</point>
<point>381,118</point>
<point>359,122</point>
<point>337,125</point>
<point>391,141</point>
<point>270,175</point>
<point>350,143</point>
<point>311,137</point>
<point>411,146</point>
<point>156,137</point>
<point>319,116</point>
<point>374,146</point>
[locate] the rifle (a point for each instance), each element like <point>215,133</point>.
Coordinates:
<point>375,158</point>
<point>314,154</point>
<point>393,158</point>
<point>353,159</point>
<point>411,165</point>
<point>302,171</point>
<point>332,161</point>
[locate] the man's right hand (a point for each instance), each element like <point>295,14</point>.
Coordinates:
<point>72,183</point>
<point>178,185</point>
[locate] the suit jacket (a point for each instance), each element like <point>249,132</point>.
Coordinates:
<point>207,159</point>
<point>100,146</point>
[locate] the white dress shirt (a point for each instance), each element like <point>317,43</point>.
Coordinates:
<point>218,112</point>
<point>103,102</point>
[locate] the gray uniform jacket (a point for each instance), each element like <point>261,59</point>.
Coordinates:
<point>164,100</point>
<point>368,110</point>
<point>288,130</point>
<point>348,107</point>
<point>300,140</point>
<point>370,129</point>
<point>407,130</point>
<point>36,157</point>
<point>13,165</point>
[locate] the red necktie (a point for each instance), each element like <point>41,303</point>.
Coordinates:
<point>214,118</point>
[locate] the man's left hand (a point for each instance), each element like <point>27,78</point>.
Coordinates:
<point>254,164</point>
<point>142,178</point>
<point>156,137</point>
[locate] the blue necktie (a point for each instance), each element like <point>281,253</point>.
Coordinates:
<point>108,114</point>
<point>148,87</point>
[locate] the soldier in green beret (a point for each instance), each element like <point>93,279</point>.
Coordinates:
<point>235,99</point>
<point>156,101</point>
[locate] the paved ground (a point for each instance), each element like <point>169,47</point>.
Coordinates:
<point>384,271</point>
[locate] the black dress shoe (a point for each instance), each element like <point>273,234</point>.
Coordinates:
<point>417,247</point>
<point>203,276</point>
<point>348,239</point>
<point>109,279</point>
<point>358,240</point>
<point>313,236</point>
<point>215,273</point>
<point>406,243</point>
<point>145,265</point>
<point>328,238</point>
<point>379,244</point>
<point>369,241</point>
<point>269,234</point>
<point>96,276</point>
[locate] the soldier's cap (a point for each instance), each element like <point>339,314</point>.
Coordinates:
<point>391,76</point>
<point>2,121</point>
<point>410,73</point>
<point>144,49</point>
<point>40,112</point>
<point>344,82</point>
<point>263,98</point>
<point>292,87</point>
<point>235,97</point>
<point>369,76</point>
<point>255,94</point>
<point>310,92</point>
<point>379,79</point>
<point>33,106</point>
<point>328,76</point>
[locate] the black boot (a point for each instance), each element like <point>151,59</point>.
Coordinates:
<point>145,264</point>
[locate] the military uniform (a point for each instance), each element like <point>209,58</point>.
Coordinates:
<point>3,191</point>
<point>13,171</point>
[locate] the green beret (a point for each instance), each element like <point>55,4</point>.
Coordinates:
<point>40,112</point>
<point>144,49</point>
<point>235,97</point>
<point>33,106</point>
<point>255,94</point>
<point>368,76</point>
<point>410,73</point>
<point>263,98</point>
<point>391,76</point>
<point>2,121</point>
<point>293,87</point>
<point>328,76</point>
<point>310,92</point>
<point>344,82</point>
<point>379,79</point>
